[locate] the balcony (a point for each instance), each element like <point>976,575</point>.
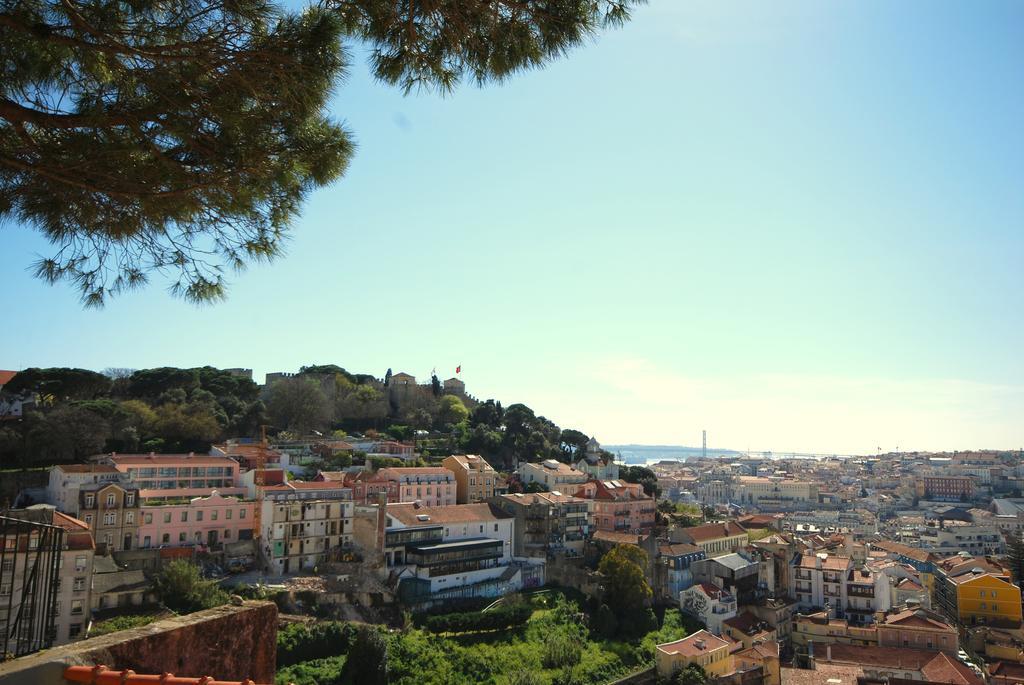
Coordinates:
<point>860,591</point>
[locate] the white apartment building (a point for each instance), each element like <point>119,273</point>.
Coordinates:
<point>451,546</point>
<point>302,523</point>
<point>951,537</point>
<point>66,480</point>
<point>709,603</point>
<point>552,474</point>
<point>850,592</point>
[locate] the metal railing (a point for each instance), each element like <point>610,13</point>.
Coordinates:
<point>29,567</point>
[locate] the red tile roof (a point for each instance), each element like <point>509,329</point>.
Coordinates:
<point>713,531</point>
<point>6,376</point>
<point>945,669</point>
<point>689,646</point>
<point>410,514</point>
<point>86,468</point>
<point>904,550</point>
<point>830,562</point>
<point>616,538</point>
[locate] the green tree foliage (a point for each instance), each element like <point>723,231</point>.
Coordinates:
<point>642,475</point>
<point>325,671</point>
<point>625,586</point>
<point>58,384</point>
<point>179,136</point>
<point>452,411</point>
<point>67,433</point>
<point>693,674</point>
<point>524,676</point>
<point>298,404</point>
<point>604,623</point>
<point>183,136</point>
<point>573,444</point>
<point>181,588</point>
<point>499,618</point>
<point>298,642</point>
<point>367,663</point>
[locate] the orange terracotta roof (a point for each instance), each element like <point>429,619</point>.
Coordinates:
<point>6,376</point>
<point>688,646</point>
<point>677,549</point>
<point>410,514</point>
<point>886,657</point>
<point>943,669</point>
<point>101,675</point>
<point>904,550</point>
<point>917,618</point>
<point>822,673</point>
<point>171,459</point>
<point>86,468</point>
<point>616,538</point>
<point>831,562</point>
<point>713,531</point>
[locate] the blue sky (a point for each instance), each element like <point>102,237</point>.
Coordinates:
<point>798,225</point>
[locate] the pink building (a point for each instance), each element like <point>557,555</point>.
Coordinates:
<point>176,476</point>
<point>619,506</point>
<point>200,521</point>
<point>434,486</point>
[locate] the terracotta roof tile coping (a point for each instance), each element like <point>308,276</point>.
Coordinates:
<point>87,468</point>
<point>101,675</point>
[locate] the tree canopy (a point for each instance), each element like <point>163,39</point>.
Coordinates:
<point>183,136</point>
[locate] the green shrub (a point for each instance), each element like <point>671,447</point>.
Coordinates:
<point>498,618</point>
<point>112,625</point>
<point>298,642</point>
<point>325,671</point>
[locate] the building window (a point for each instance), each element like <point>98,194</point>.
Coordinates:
<point>166,539</point>
<point>90,501</point>
<point>241,513</point>
<point>88,520</point>
<point>146,541</point>
<point>130,499</point>
<point>213,515</point>
<point>227,514</point>
<point>80,562</point>
<point>110,500</point>
<point>74,630</point>
<point>147,518</point>
<point>227,533</point>
<point>78,585</point>
<point>109,519</point>
<point>129,517</point>
<point>8,565</point>
<point>199,516</point>
<point>184,517</point>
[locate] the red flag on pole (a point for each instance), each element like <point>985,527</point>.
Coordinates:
<point>458,369</point>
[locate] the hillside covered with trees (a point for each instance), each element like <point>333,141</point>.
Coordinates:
<point>72,413</point>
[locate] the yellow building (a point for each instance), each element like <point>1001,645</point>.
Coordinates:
<point>702,648</point>
<point>474,478</point>
<point>822,630</point>
<point>987,599</point>
<point>763,655</point>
